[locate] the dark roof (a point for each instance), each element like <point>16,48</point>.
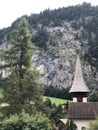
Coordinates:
<point>80,110</point>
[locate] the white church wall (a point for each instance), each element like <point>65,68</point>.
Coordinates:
<point>74,99</point>
<point>84,99</point>
<point>82,124</point>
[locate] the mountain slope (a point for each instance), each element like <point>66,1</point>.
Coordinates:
<point>59,35</point>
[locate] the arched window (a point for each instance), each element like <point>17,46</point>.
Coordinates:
<point>83,128</point>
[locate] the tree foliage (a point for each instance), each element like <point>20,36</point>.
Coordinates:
<point>57,113</point>
<point>22,89</point>
<point>80,16</point>
<point>25,121</point>
<point>57,92</point>
<point>93,125</point>
<point>93,97</point>
<point>72,126</point>
<point>40,39</point>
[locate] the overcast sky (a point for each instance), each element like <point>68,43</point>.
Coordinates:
<point>10,10</point>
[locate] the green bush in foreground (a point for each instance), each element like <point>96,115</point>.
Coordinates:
<point>26,122</point>
<point>93,125</point>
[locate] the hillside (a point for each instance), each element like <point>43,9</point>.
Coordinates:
<point>59,35</point>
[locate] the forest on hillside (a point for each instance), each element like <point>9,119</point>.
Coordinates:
<point>55,18</point>
<point>83,19</point>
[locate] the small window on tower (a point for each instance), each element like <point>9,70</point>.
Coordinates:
<point>79,99</point>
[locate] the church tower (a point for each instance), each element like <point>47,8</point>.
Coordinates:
<point>79,90</point>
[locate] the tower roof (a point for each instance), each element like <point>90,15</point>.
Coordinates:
<point>78,83</point>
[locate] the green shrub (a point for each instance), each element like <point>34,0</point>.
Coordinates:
<point>93,97</point>
<point>26,122</point>
<point>93,125</point>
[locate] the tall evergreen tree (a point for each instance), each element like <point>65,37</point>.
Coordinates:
<point>22,91</point>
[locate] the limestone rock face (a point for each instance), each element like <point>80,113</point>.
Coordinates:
<point>57,63</point>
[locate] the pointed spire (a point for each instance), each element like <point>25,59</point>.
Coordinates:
<point>78,83</point>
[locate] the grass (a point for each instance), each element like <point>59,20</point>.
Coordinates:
<point>57,101</point>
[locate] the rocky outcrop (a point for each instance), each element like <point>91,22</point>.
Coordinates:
<point>59,38</point>
<point>57,63</point>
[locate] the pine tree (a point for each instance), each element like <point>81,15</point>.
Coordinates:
<point>22,91</point>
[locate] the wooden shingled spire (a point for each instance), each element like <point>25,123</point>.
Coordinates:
<point>78,83</point>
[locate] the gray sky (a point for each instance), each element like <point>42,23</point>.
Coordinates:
<point>10,10</point>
